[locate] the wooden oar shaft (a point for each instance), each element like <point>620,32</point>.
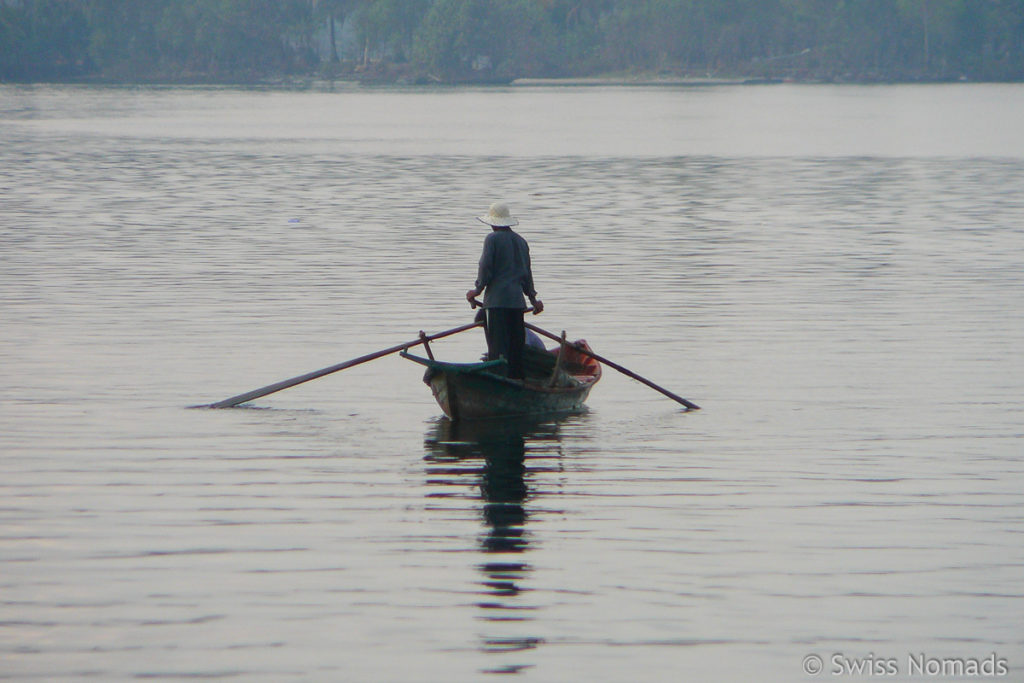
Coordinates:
<point>284,384</point>
<point>625,371</point>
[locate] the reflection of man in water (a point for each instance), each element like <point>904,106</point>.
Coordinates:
<point>501,478</point>
<point>504,489</point>
<point>504,275</point>
<point>500,449</point>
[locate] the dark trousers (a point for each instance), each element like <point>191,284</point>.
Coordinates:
<point>506,337</point>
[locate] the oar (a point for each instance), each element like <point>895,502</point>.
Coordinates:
<point>625,371</point>
<point>284,384</point>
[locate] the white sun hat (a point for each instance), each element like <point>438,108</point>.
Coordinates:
<point>499,217</point>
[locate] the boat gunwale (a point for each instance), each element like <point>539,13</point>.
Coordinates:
<point>483,369</point>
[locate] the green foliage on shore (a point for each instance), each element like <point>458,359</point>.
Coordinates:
<point>500,40</point>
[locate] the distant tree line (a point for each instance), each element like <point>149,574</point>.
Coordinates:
<point>499,40</point>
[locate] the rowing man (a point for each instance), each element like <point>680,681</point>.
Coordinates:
<point>504,277</point>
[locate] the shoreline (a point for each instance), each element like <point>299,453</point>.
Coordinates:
<point>675,81</point>
<point>394,78</point>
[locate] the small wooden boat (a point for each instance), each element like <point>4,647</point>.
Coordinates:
<point>556,381</point>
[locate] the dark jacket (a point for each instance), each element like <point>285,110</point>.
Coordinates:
<point>504,273</point>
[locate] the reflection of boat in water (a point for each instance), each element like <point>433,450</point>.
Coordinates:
<point>493,454</point>
<point>555,382</point>
<point>491,457</point>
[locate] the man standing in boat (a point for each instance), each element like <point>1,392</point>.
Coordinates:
<point>504,276</point>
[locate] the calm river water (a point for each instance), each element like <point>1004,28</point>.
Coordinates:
<point>836,274</point>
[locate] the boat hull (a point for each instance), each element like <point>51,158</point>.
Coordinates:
<point>476,391</point>
<point>475,396</point>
